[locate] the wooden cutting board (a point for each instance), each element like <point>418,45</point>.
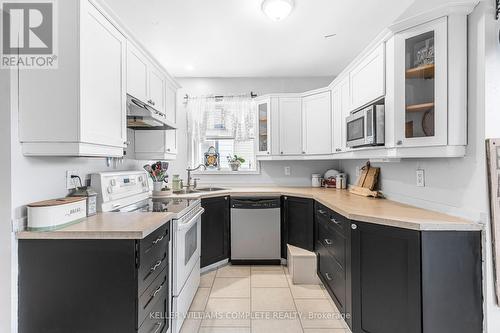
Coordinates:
<point>371,178</point>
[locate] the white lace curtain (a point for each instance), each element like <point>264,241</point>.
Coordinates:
<point>228,117</point>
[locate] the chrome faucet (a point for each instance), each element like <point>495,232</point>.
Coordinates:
<point>188,186</point>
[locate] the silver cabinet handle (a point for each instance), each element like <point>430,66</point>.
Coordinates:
<point>157,290</point>
<point>354,227</point>
<point>159,324</point>
<point>328,277</point>
<point>399,143</point>
<point>321,211</point>
<point>158,263</point>
<point>225,198</point>
<point>338,150</point>
<point>328,241</point>
<point>303,152</point>
<point>168,149</point>
<point>335,221</point>
<point>158,239</point>
<point>281,153</point>
<point>286,198</point>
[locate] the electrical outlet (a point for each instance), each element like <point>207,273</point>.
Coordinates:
<point>420,178</point>
<point>288,171</point>
<point>71,183</point>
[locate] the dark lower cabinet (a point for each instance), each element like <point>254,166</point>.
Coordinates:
<point>297,223</point>
<point>386,279</point>
<point>81,286</point>
<point>215,224</point>
<point>333,248</point>
<point>415,282</point>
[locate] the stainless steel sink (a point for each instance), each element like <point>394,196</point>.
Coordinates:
<point>210,189</point>
<point>186,191</point>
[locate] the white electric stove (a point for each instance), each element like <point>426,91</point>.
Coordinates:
<point>129,191</point>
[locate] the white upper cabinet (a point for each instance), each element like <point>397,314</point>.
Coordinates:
<point>367,79</point>
<point>156,90</point>
<point>317,123</point>
<point>263,126</point>
<point>148,83</point>
<point>137,73</point>
<point>102,81</point>
<point>290,126</point>
<point>340,110</point>
<point>171,103</point>
<point>78,109</point>
<point>421,85</point>
<point>155,145</point>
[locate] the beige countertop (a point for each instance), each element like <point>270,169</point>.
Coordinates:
<point>132,225</point>
<point>357,208</point>
<point>137,225</point>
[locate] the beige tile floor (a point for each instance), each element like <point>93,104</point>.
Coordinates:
<point>260,299</point>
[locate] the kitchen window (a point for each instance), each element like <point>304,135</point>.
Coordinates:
<point>227,124</point>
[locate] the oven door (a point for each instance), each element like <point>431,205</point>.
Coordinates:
<point>356,125</point>
<point>186,250</point>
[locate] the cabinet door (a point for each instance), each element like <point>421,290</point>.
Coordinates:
<point>386,281</point>
<point>171,141</point>
<point>137,73</point>
<point>345,98</point>
<point>317,123</point>
<point>156,90</point>
<point>214,230</point>
<point>102,88</point>
<point>290,124</point>
<point>421,85</point>
<point>171,103</point>
<point>337,119</point>
<point>151,145</point>
<point>299,222</point>
<point>368,78</point>
<point>264,127</point>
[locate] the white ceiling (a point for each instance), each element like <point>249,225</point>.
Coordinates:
<point>233,38</point>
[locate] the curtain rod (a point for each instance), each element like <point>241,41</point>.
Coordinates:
<point>252,95</point>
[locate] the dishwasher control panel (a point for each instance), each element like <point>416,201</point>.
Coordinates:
<point>255,202</point>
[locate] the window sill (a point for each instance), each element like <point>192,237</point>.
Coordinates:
<point>227,172</point>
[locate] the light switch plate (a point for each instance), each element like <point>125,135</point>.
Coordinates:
<point>420,178</point>
<point>288,171</point>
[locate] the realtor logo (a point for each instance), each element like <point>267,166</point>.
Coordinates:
<point>28,34</point>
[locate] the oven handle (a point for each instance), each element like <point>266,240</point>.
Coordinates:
<point>192,221</point>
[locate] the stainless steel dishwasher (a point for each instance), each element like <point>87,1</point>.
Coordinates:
<point>255,229</point>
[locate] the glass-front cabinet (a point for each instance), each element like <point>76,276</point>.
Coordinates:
<point>421,108</point>
<point>263,126</point>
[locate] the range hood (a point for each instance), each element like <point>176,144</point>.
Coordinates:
<point>141,116</point>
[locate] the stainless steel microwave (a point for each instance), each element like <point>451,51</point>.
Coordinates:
<point>366,127</point>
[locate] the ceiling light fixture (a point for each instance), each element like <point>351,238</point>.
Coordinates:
<point>277,9</point>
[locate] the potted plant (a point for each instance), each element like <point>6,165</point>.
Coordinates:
<point>235,162</point>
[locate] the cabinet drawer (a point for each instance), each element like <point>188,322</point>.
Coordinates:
<point>333,275</point>
<point>153,257</point>
<point>335,220</point>
<point>156,318</point>
<point>153,293</point>
<point>158,238</point>
<point>333,241</point>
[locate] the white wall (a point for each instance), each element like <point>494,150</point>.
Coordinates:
<point>459,186</point>
<point>272,173</point>
<point>6,284</point>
